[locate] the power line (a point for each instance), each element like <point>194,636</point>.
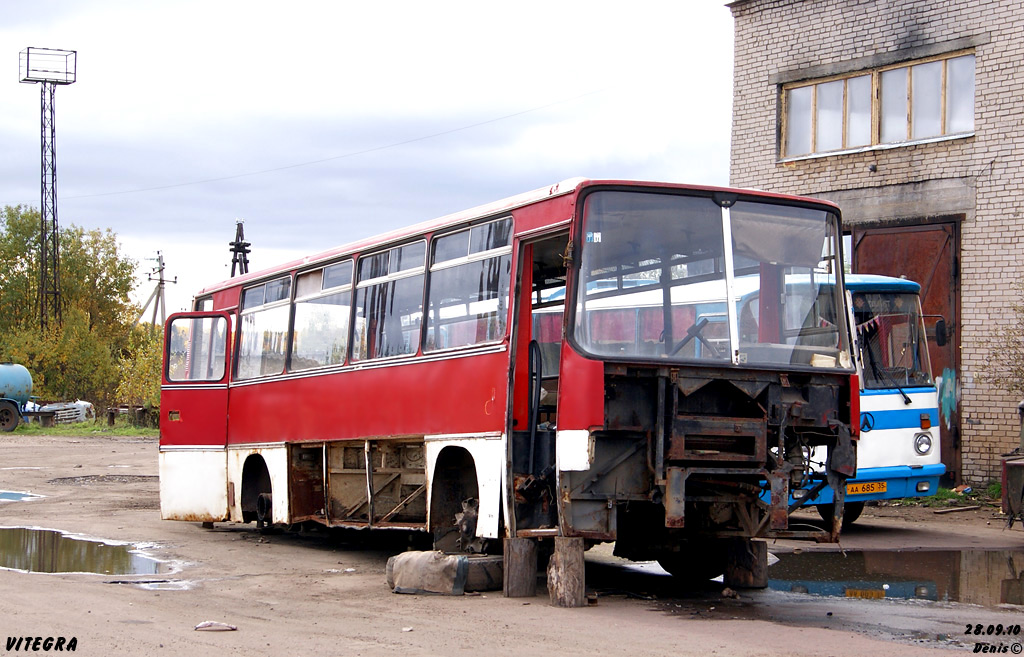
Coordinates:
<point>365,151</point>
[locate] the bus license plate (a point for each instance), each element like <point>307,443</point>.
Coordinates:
<point>869,594</point>
<point>865,488</point>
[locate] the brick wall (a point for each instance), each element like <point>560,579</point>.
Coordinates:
<point>775,39</point>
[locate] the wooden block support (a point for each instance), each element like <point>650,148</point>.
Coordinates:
<point>520,578</point>
<point>566,586</point>
<point>746,565</point>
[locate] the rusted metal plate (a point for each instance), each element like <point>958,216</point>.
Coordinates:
<point>780,501</point>
<point>675,497</point>
<point>718,439</point>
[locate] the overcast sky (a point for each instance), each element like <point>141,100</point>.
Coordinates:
<point>319,123</point>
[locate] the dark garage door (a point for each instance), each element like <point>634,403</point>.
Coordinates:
<point>927,254</point>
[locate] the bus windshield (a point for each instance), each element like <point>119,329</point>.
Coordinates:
<point>661,276</point>
<point>891,332</point>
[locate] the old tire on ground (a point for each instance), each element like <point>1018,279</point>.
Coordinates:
<point>695,563</point>
<point>9,417</point>
<point>851,511</point>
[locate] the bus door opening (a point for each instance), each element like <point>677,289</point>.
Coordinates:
<point>541,286</point>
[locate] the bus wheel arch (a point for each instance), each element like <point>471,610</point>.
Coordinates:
<point>454,500</point>
<point>257,491</point>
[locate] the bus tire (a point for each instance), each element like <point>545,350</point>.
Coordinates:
<point>851,511</point>
<point>696,562</point>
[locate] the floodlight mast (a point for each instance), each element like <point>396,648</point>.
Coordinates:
<point>48,67</point>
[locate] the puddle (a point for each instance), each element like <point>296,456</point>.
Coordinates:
<point>50,551</point>
<point>15,496</point>
<point>982,577</point>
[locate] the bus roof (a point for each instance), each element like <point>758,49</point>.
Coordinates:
<point>877,283</point>
<point>567,186</point>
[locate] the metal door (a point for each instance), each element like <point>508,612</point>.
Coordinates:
<point>194,394</point>
<point>926,254</point>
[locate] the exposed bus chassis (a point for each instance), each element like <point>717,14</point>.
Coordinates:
<point>705,454</point>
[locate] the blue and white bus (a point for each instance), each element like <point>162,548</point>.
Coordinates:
<point>898,452</point>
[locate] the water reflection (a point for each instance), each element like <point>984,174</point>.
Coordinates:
<point>982,577</point>
<point>49,551</point>
<point>15,496</point>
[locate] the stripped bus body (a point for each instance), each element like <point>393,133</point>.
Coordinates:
<point>476,376</point>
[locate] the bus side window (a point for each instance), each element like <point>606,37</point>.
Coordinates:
<point>389,302</point>
<point>320,319</point>
<point>263,329</point>
<point>469,286</point>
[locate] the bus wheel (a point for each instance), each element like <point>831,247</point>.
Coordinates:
<point>8,416</point>
<point>851,511</point>
<point>696,562</point>
<point>264,512</point>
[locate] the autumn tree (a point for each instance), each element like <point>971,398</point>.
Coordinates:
<point>139,369</point>
<point>80,358</point>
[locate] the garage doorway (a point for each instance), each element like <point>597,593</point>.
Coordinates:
<point>927,253</point>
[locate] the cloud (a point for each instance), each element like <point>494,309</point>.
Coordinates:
<point>319,122</point>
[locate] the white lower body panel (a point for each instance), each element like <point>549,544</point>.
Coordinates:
<point>275,456</point>
<point>193,484</point>
<point>488,454</point>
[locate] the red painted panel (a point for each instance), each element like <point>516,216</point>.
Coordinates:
<point>194,416</point>
<point>545,214</point>
<point>523,333</point>
<point>458,395</point>
<point>227,299</point>
<point>580,391</point>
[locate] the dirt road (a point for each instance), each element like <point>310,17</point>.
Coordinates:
<point>318,594</point>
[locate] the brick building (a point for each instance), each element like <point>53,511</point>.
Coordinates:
<point>910,115</point>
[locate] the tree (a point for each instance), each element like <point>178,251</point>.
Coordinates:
<point>139,369</point>
<point>67,362</point>
<point>78,359</point>
<point>19,268</point>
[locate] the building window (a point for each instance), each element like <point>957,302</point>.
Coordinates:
<point>469,286</point>
<point>322,308</point>
<point>389,303</point>
<point>263,329</point>
<point>910,102</point>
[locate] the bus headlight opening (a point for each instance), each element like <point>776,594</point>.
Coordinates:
<point>923,443</point>
<point>923,487</point>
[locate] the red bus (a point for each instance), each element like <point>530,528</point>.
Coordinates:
<point>559,363</point>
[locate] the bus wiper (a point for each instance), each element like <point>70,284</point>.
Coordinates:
<point>880,372</point>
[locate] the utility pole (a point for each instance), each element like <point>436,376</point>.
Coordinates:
<point>239,250</point>
<point>157,298</point>
<point>49,68</point>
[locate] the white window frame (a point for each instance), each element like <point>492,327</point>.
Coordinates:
<point>876,109</point>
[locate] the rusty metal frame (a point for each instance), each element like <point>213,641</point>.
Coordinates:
<point>776,517</point>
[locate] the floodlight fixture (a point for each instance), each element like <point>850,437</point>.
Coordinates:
<point>47,65</point>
